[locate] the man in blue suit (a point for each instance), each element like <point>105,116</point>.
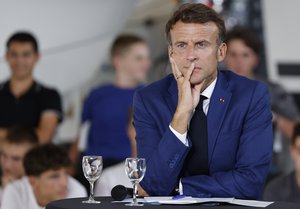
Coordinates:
<point>204,131</point>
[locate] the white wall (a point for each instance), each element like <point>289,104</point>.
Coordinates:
<point>282,35</point>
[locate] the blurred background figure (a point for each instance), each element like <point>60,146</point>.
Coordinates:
<point>242,57</point>
<point>115,175</point>
<point>287,187</point>
<point>46,180</point>
<point>17,142</point>
<point>105,111</point>
<point>25,101</point>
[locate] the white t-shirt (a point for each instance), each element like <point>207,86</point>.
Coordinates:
<point>1,194</point>
<point>111,177</point>
<point>19,194</point>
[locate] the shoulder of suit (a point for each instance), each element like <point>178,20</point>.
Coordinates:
<point>241,82</point>
<point>42,88</point>
<point>159,86</point>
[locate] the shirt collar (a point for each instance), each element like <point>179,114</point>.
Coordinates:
<point>35,87</point>
<point>209,90</point>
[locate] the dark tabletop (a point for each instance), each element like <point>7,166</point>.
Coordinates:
<point>76,203</point>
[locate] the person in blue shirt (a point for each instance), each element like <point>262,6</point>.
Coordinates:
<point>106,109</point>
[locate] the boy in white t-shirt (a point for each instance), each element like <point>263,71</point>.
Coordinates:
<point>18,141</point>
<point>47,180</point>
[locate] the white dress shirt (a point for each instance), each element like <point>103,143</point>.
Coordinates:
<point>19,194</point>
<point>207,93</point>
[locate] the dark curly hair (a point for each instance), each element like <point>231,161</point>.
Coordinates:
<point>44,158</point>
<point>21,134</point>
<point>245,35</point>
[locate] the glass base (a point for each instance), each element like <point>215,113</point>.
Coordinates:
<point>134,204</point>
<point>91,201</point>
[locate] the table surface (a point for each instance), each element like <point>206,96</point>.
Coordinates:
<point>76,203</point>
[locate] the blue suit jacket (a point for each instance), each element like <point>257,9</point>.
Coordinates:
<point>239,139</point>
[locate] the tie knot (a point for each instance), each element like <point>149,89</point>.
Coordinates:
<point>202,98</point>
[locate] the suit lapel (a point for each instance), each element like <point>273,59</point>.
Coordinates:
<point>217,109</point>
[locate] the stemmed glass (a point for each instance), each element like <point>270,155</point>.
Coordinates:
<point>135,169</point>
<point>92,168</point>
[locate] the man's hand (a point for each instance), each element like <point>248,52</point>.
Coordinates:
<point>188,97</point>
<point>141,192</point>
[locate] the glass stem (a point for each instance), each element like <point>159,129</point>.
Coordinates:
<point>134,192</point>
<point>91,190</point>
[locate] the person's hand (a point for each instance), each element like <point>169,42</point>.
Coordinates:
<point>141,192</point>
<point>188,97</point>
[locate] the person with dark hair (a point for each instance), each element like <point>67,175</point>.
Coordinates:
<point>46,180</point>
<point>24,101</point>
<point>287,187</point>
<point>105,110</point>
<point>18,141</point>
<point>243,52</point>
<point>199,128</point>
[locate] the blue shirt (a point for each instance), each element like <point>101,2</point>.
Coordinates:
<point>107,109</point>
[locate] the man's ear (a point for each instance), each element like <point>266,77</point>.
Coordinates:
<point>221,53</point>
<point>116,61</point>
<point>32,180</point>
<point>170,51</point>
<point>38,56</point>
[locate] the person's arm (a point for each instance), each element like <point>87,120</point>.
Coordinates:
<point>165,153</point>
<point>47,126</point>
<point>286,126</point>
<point>80,143</point>
<point>253,157</point>
<point>51,115</point>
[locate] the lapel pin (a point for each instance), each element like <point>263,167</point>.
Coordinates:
<point>222,100</point>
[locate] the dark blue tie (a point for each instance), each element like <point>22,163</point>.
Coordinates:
<point>197,159</point>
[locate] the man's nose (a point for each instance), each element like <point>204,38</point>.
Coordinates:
<point>191,54</point>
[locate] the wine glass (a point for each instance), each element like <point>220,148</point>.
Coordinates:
<point>135,169</point>
<point>92,168</point>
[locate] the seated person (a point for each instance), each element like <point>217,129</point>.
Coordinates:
<point>204,132</point>
<point>15,145</point>
<point>24,100</point>
<point>287,187</point>
<point>105,111</point>
<point>46,180</point>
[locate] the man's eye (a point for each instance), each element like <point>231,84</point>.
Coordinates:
<point>181,45</point>
<point>201,45</point>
